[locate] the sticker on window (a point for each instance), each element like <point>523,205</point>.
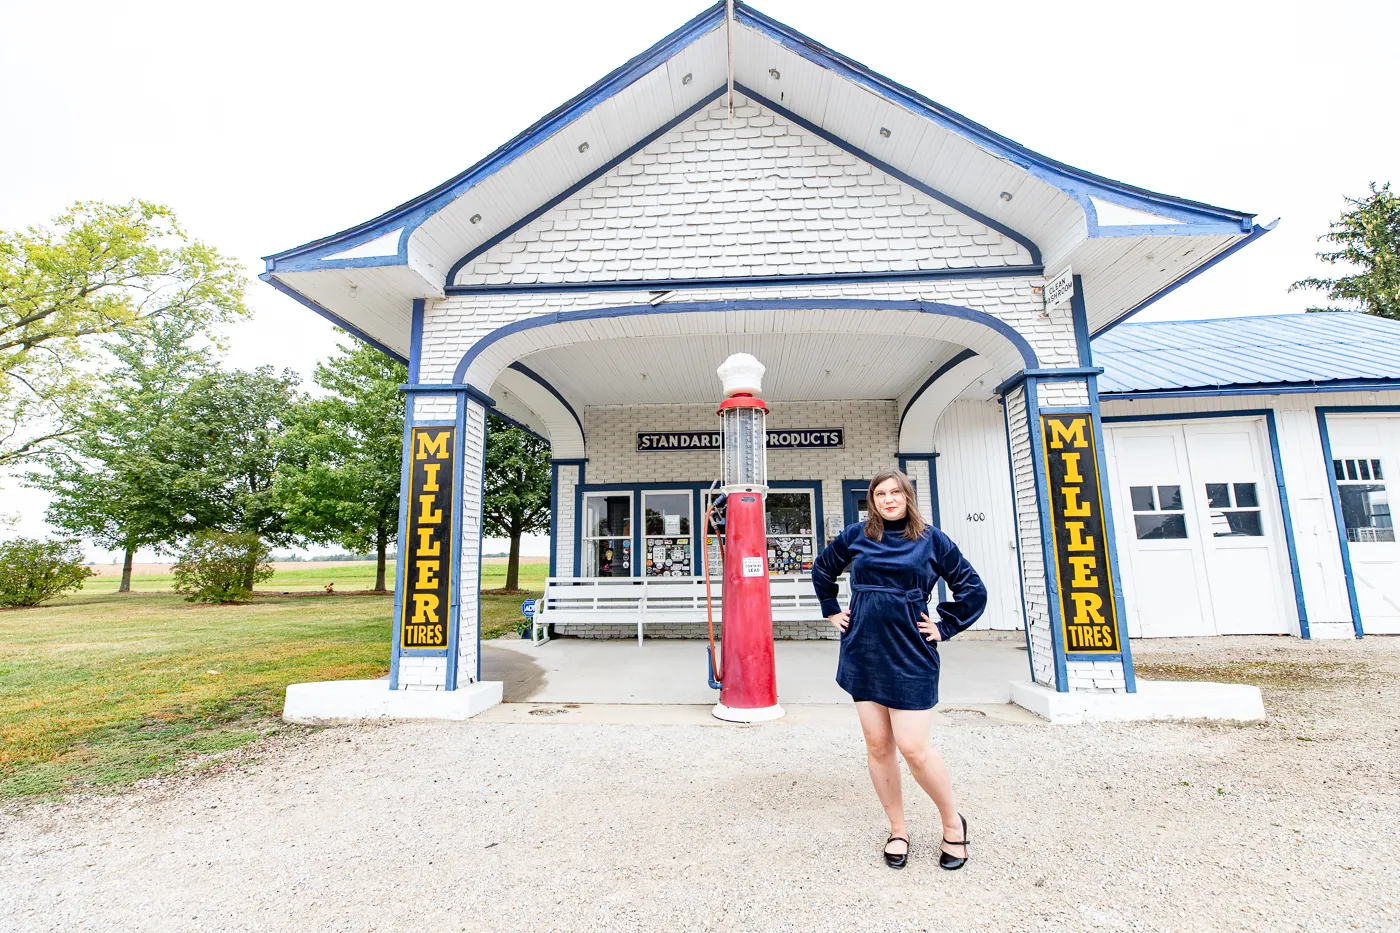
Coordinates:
<point>753,566</point>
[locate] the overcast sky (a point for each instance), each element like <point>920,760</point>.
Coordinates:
<point>267,124</point>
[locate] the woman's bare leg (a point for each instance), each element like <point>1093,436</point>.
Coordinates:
<point>883,765</point>
<point>910,727</point>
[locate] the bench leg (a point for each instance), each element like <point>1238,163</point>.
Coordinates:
<point>639,633</point>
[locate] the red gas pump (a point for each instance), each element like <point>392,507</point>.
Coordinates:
<point>746,675</point>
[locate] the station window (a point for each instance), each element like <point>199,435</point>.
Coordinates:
<point>1157,512</point>
<point>607,534</point>
<point>666,543</point>
<point>1365,504</point>
<point>1235,510</point>
<point>790,526</point>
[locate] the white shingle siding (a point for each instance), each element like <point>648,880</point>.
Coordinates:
<point>469,621</point>
<point>760,197</point>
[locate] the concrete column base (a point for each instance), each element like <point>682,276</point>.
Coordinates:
<point>333,701</point>
<point>1154,701</point>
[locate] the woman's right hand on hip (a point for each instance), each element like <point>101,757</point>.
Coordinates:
<point>840,619</point>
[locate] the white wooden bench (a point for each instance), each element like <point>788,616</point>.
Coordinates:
<point>644,601</point>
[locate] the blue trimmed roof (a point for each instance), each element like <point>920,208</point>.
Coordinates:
<point>1278,349</point>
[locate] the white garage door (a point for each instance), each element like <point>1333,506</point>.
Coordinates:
<point>1200,535</point>
<point>1366,465</point>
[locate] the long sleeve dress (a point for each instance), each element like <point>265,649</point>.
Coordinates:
<point>884,656</point>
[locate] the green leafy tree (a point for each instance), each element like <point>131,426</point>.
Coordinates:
<point>221,566</point>
<point>517,488</point>
<point>338,480</point>
<point>115,479</point>
<point>101,269</point>
<point>226,431</point>
<point>32,571</point>
<point>1368,237</point>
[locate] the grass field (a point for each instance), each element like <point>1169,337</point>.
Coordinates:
<point>99,689</point>
<point>314,575</point>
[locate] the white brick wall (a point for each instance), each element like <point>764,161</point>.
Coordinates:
<point>434,407</point>
<point>1065,393</point>
<point>1095,676</point>
<point>1028,533</point>
<point>417,673</point>
<point>760,197</point>
<point>469,622</point>
<point>564,519</point>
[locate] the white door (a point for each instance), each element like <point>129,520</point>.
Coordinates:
<point>1200,535</point>
<point>1366,464</point>
<point>1161,561</point>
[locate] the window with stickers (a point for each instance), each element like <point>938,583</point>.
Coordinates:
<point>790,525</point>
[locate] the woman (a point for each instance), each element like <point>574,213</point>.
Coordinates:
<point>889,648</point>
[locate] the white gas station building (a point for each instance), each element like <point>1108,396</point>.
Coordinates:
<point>924,293</point>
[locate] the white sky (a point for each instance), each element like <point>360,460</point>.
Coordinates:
<point>268,124</point>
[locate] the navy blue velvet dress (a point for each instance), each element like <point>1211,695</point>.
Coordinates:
<point>884,656</point>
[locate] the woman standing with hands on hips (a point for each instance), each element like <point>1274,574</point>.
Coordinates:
<point>889,647</point>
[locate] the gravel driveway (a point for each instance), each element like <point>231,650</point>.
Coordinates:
<point>553,824</point>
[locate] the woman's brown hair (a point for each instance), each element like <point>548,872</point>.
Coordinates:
<point>914,524</point>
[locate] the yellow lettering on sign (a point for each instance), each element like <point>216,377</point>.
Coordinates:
<point>424,536</point>
<point>1074,434</point>
<point>1073,507</point>
<point>1071,462</point>
<point>1082,568</point>
<point>1078,541</point>
<point>432,483</point>
<point>435,446</point>
<point>1086,607</point>
<point>429,515</point>
<point>426,580</point>
<point>425,607</point>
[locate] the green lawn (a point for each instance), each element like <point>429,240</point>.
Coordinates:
<point>99,689</point>
<point>314,575</point>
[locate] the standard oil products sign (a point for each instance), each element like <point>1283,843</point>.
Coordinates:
<point>428,572</point>
<point>777,439</point>
<point>1081,555</point>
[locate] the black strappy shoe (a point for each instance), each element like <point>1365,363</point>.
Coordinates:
<point>893,860</point>
<point>947,859</point>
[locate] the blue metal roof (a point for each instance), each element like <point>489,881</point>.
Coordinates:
<point>1288,351</point>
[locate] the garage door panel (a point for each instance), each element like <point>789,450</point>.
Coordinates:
<point>1366,470</point>
<point>1167,596</point>
<point>1243,591</point>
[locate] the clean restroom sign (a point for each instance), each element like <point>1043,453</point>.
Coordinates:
<point>1059,289</point>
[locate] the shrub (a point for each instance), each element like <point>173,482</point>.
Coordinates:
<point>221,567</point>
<point>32,571</point>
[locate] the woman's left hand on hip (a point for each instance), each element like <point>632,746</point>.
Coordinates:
<point>929,628</point>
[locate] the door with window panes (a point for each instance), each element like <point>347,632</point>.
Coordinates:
<point>607,534</point>
<point>1365,451</point>
<point>1199,532</point>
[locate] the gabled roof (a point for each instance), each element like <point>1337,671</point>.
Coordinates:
<point>1283,351</point>
<point>367,276</point>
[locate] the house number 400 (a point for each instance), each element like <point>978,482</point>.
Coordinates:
<point>977,516</point>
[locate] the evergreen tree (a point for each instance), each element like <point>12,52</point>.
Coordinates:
<point>1369,239</point>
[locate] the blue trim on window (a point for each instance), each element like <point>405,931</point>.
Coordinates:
<point>531,374</point>
<point>1047,540</point>
<point>850,492</point>
<point>749,304</point>
<point>331,316</point>
<point>1270,388</point>
<point>1285,511</point>
<point>454,605</point>
<point>961,357</point>
<point>1016,537</point>
<point>1254,234</point>
<point>1322,412</point>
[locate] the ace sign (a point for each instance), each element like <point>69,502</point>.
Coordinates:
<point>1081,546</point>
<point>427,590</point>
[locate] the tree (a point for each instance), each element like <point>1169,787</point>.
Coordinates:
<point>102,269</point>
<point>115,478</point>
<point>338,481</point>
<point>1369,237</point>
<point>225,430</point>
<point>517,488</point>
<point>32,571</point>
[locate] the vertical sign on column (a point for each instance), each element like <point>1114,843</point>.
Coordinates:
<point>1087,607</point>
<point>428,545</point>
